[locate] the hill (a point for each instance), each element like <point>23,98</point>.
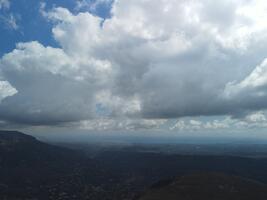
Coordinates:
<point>33,169</point>
<point>204,186</point>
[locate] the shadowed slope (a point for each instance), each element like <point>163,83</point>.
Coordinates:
<point>209,186</point>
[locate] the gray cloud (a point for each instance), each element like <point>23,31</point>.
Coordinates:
<point>151,60</point>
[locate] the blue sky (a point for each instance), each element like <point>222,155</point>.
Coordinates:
<point>32,26</point>
<point>134,65</point>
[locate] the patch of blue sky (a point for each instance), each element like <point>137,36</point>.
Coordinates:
<point>32,26</point>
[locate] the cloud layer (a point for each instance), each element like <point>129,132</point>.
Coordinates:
<point>256,120</point>
<point>150,60</point>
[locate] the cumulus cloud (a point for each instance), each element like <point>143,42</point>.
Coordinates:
<point>121,124</point>
<point>150,60</point>
<point>49,89</point>
<point>195,125</point>
<point>251,121</point>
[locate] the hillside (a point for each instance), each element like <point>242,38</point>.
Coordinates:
<point>30,168</point>
<point>203,186</point>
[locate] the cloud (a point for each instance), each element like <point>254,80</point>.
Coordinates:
<point>254,120</point>
<point>10,21</point>
<point>6,90</point>
<point>49,88</point>
<point>4,4</point>
<point>250,93</point>
<point>149,61</point>
<point>121,124</point>
<point>92,6</point>
<point>8,18</point>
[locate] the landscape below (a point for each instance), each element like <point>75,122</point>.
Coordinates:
<point>31,169</point>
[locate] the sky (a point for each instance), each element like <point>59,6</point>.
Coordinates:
<point>134,65</point>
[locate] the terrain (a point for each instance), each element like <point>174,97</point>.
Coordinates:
<point>31,169</point>
<point>207,186</point>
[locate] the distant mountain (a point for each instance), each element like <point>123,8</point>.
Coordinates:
<point>207,186</point>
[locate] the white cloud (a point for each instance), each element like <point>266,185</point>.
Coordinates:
<point>121,124</point>
<point>6,90</point>
<point>250,93</point>
<point>257,79</point>
<point>187,125</point>
<point>254,120</point>
<point>91,6</point>
<point>180,125</point>
<point>149,61</point>
<point>256,117</point>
